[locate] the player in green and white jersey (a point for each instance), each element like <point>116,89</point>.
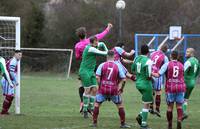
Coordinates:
<point>191,71</point>
<point>87,74</point>
<point>142,67</point>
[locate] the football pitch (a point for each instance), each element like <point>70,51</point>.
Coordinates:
<point>51,102</point>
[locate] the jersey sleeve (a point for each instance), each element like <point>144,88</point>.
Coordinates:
<point>198,70</point>
<point>121,73</point>
<point>96,51</point>
<point>187,64</point>
<point>12,67</point>
<point>119,50</point>
<point>102,34</point>
<point>166,60</point>
<point>4,71</point>
<point>99,70</point>
<point>103,46</point>
<point>163,69</point>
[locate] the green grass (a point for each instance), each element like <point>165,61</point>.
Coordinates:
<point>51,102</point>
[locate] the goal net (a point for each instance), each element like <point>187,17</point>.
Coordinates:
<point>47,60</point>
<point>10,37</point>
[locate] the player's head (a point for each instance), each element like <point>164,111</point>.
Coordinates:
<point>81,32</point>
<point>110,55</point>
<point>144,49</point>
<point>190,52</point>
<point>120,44</point>
<point>94,41</point>
<point>174,55</point>
<point>164,48</point>
<point>18,54</point>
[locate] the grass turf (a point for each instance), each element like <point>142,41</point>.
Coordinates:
<point>51,102</point>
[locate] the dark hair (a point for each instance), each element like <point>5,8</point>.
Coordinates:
<point>92,39</point>
<point>174,55</point>
<point>18,51</point>
<point>81,32</point>
<point>144,49</point>
<point>164,48</point>
<point>120,44</point>
<point>110,53</point>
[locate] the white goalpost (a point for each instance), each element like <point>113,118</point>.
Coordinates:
<point>10,37</point>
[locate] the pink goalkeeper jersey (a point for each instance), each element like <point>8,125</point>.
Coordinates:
<point>175,77</point>
<point>158,58</point>
<point>110,78</point>
<point>80,46</point>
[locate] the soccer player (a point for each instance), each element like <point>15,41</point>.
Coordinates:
<point>8,88</point>
<point>159,58</point>
<point>120,55</point>
<point>142,67</point>
<point>80,46</point>
<point>175,87</point>
<point>87,74</point>
<point>191,71</point>
<point>111,80</point>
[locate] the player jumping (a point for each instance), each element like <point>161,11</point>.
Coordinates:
<point>87,74</point>
<point>142,67</point>
<point>192,70</point>
<point>159,58</point>
<point>120,55</point>
<point>175,87</point>
<point>80,46</point>
<point>8,88</point>
<point>111,80</point>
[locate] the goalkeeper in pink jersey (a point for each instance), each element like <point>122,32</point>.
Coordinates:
<point>111,80</point>
<point>175,87</point>
<point>80,46</point>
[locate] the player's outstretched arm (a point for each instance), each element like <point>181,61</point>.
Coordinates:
<point>129,54</point>
<point>126,61</point>
<point>96,51</point>
<point>104,33</point>
<point>103,46</point>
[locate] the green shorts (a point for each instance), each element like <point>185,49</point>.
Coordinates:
<point>88,79</point>
<point>147,94</point>
<point>189,87</point>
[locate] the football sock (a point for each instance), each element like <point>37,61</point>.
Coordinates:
<point>179,114</point>
<point>184,106</point>
<point>158,99</point>
<point>85,102</point>
<point>95,114</point>
<point>144,116</point>
<point>10,99</point>
<point>122,115</point>
<point>151,106</point>
<point>91,103</point>
<point>6,104</point>
<point>169,118</point>
<point>81,91</point>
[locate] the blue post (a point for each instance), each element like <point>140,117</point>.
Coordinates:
<point>136,45</point>
<point>185,47</point>
<point>156,42</point>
